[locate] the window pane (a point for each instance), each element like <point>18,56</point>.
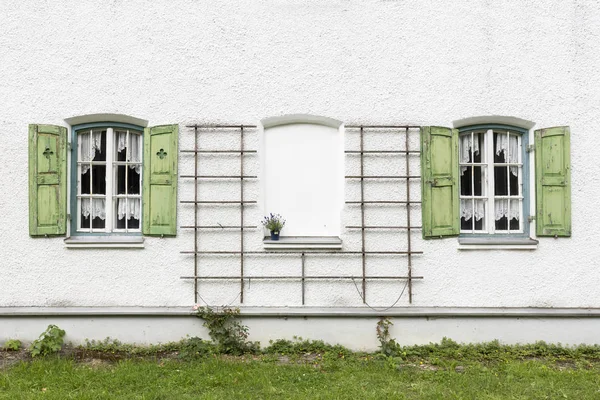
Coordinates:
<point>466,214</point>
<point>465,181</point>
<point>135,144</point>
<point>515,214</point>
<point>94,211</point>
<point>121,145</point>
<point>513,178</point>
<point>99,179</point>
<point>479,179</point>
<point>479,146</point>
<point>85,180</point>
<point>120,184</point>
<point>133,179</point>
<point>472,214</point>
<point>501,214</point>
<point>500,147</point>
<point>99,145</point>
<point>480,212</point>
<point>85,217</point>
<point>128,213</point>
<point>500,181</point>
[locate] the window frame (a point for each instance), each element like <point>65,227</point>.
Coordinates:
<point>73,190</point>
<point>527,192</point>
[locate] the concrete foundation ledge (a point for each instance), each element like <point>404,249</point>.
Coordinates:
<point>350,327</point>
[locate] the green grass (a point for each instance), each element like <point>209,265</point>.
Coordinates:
<point>326,377</point>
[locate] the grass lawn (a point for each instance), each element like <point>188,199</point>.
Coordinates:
<point>327,376</point>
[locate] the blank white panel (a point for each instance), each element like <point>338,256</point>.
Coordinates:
<point>303,172</point>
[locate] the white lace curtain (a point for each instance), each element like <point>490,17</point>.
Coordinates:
<point>134,149</point>
<point>88,144</point>
<point>95,207</point>
<point>469,210</point>
<point>510,143</point>
<point>466,144</point>
<point>129,208</point>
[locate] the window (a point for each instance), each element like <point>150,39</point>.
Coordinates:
<point>476,183</point>
<point>493,181</point>
<point>110,163</point>
<point>108,186</point>
<point>303,174</point>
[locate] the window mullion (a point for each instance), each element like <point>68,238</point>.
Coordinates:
<point>508,181</point>
<point>127,161</point>
<point>489,148</point>
<point>91,153</point>
<point>520,183</point>
<point>109,179</point>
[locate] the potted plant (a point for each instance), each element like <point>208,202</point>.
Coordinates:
<point>274,223</point>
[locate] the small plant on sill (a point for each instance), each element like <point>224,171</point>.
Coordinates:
<point>274,223</point>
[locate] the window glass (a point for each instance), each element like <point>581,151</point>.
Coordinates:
<point>109,173</point>
<point>491,202</point>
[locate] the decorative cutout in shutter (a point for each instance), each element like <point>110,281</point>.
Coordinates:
<point>439,182</point>
<point>47,180</point>
<point>553,181</point>
<point>160,180</point>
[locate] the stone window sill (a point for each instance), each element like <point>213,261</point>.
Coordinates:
<point>113,242</point>
<point>497,243</point>
<point>303,243</point>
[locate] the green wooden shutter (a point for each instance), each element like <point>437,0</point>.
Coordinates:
<point>47,180</point>
<point>439,182</point>
<point>553,181</point>
<point>160,180</point>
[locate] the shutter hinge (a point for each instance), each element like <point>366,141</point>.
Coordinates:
<point>68,217</point>
<point>531,218</point>
<point>530,148</point>
<point>69,147</point>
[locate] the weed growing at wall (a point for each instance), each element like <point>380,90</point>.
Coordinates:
<point>12,345</point>
<point>49,342</point>
<point>225,329</point>
<point>388,346</point>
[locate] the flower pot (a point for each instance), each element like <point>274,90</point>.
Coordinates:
<point>274,235</point>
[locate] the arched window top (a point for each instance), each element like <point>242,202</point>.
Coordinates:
<point>494,119</point>
<point>94,118</point>
<point>289,119</point>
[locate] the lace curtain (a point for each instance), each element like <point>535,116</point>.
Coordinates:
<point>128,208</point>
<point>95,207</point>
<point>467,211</point>
<point>134,149</point>
<point>88,144</point>
<point>512,145</point>
<point>466,144</point>
<point>501,209</point>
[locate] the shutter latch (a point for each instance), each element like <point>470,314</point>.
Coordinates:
<point>531,218</point>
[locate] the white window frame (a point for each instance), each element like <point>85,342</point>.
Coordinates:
<point>489,183</point>
<point>110,193</point>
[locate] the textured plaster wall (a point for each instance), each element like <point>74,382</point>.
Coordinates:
<point>370,62</point>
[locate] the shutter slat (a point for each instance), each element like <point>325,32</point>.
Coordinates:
<point>553,181</point>
<point>160,180</point>
<point>47,180</point>
<point>439,182</point>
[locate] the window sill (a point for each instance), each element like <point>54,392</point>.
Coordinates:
<point>303,243</point>
<point>113,242</point>
<point>497,243</point>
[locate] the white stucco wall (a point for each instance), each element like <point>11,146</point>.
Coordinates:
<point>372,62</point>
